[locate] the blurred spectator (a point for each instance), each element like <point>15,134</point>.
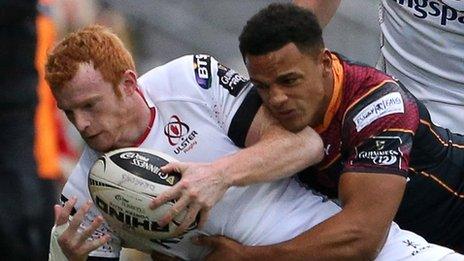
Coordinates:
<point>51,144</point>
<point>67,16</point>
<point>25,212</point>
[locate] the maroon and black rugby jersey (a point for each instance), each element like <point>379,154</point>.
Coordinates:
<point>374,125</point>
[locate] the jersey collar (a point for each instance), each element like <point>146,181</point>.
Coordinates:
<point>334,104</point>
<point>142,138</point>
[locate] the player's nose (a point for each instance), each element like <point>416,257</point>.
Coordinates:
<point>81,122</point>
<point>276,96</point>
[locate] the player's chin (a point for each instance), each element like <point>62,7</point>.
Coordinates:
<point>99,145</point>
<point>293,125</point>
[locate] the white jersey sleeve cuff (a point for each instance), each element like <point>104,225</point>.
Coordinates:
<point>55,252</point>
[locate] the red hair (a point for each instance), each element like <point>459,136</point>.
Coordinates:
<point>95,45</point>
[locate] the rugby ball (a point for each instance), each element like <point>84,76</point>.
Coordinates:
<point>122,184</point>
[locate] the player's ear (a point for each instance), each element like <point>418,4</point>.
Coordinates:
<point>129,82</point>
<point>326,61</point>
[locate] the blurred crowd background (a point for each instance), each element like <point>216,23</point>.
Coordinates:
<point>157,31</point>
<point>39,147</point>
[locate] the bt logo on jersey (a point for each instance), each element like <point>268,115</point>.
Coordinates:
<point>202,66</point>
<point>179,135</point>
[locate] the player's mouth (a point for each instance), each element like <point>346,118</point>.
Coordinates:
<point>91,137</point>
<point>286,114</point>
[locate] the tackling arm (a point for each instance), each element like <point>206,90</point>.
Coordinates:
<point>272,153</point>
<point>358,232</point>
<point>323,9</point>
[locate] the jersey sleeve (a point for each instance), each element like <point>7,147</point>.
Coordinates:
<point>378,131</point>
<point>77,186</point>
<point>234,100</point>
<point>218,92</point>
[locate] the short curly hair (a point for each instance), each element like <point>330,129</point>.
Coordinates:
<point>95,45</point>
<point>277,25</point>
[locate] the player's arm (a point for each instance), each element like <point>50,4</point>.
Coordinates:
<point>271,153</point>
<point>370,189</point>
<point>323,9</point>
<point>358,232</point>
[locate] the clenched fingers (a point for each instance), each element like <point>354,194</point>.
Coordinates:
<point>204,214</point>
<point>173,167</point>
<point>178,207</point>
<point>172,193</point>
<point>188,219</point>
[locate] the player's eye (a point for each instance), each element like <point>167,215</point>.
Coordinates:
<point>289,81</point>
<point>89,106</point>
<point>259,85</point>
<point>69,113</point>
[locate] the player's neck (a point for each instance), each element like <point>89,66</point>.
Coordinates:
<point>143,120</point>
<point>135,124</point>
<point>329,92</point>
<point>320,121</point>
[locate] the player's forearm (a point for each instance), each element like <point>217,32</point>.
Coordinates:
<point>278,154</point>
<point>323,9</point>
<point>338,238</point>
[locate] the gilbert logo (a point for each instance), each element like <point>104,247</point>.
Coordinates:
<point>179,135</point>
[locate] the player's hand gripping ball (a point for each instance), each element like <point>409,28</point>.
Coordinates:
<point>122,184</point>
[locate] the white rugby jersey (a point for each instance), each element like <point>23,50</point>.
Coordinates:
<point>203,111</point>
<point>423,46</point>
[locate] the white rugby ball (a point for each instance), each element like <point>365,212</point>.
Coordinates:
<point>122,183</point>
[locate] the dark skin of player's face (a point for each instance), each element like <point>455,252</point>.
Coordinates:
<point>295,86</point>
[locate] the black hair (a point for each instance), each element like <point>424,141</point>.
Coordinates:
<point>277,25</point>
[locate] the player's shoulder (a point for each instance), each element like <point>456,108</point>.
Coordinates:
<point>359,77</point>
<point>179,67</point>
<point>181,77</point>
<point>362,82</point>
<point>196,67</point>
<point>370,94</point>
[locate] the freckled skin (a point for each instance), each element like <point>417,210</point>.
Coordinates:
<point>104,120</point>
